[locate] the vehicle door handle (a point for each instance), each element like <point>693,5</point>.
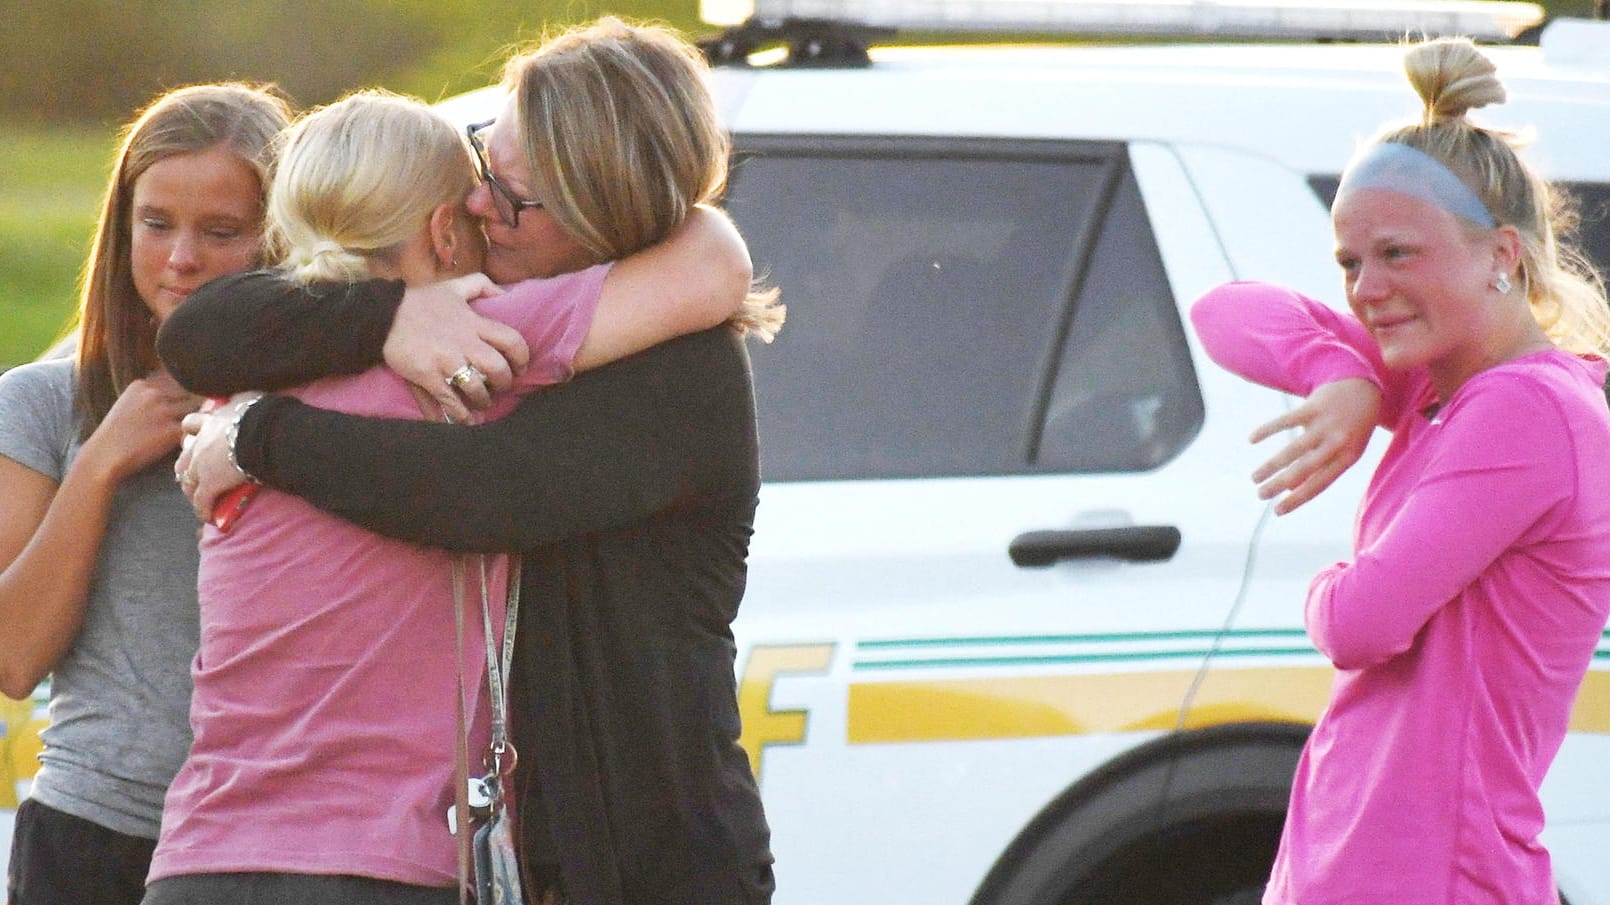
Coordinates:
<point>1133,543</point>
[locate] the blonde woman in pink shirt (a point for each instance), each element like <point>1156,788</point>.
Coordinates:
<point>1480,582</point>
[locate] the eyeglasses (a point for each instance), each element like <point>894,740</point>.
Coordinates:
<point>505,202</point>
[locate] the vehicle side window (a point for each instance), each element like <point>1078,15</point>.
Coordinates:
<point>1592,202</point>
<point>960,308</point>
<point>1125,396</point>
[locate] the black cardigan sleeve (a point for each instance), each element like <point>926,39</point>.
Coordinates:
<point>261,331</point>
<point>672,428</point>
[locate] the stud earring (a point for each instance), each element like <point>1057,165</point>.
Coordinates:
<point>1502,283</point>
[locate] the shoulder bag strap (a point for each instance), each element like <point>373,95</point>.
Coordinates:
<point>461,763</point>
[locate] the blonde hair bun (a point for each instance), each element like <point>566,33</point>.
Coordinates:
<point>1452,78</point>
<point>325,259</point>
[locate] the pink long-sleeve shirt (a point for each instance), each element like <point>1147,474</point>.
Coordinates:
<point>1464,625</point>
<point>323,712</point>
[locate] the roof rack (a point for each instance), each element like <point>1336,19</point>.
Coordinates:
<point>771,21</point>
<point>809,42</point>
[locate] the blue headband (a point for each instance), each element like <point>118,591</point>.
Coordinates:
<point>1400,168</point>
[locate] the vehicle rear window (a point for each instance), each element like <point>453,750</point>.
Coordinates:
<point>960,308</point>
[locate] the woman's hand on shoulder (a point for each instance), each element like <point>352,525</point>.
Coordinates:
<point>1334,425</point>
<point>142,426</point>
<point>436,335</point>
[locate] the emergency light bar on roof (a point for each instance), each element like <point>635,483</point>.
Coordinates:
<point>1307,19</point>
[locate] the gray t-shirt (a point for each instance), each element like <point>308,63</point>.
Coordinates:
<point>120,698</point>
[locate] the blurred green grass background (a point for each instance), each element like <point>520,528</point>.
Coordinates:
<point>52,185</point>
<point>59,113</point>
<point>60,109</point>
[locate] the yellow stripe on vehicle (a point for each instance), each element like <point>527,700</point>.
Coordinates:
<point>1592,710</point>
<point>1075,704</point>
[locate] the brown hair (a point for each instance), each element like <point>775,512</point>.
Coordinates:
<point>622,139</point>
<point>116,335</point>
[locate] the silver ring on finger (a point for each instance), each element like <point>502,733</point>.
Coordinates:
<point>466,375</point>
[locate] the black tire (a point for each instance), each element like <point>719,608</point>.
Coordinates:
<point>1193,818</point>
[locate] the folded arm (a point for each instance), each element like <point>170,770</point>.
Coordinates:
<point>1282,339</point>
<point>261,331</point>
<point>1495,476</point>
<point>695,279</point>
<point>671,427</point>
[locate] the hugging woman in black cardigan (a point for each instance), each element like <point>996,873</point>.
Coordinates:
<point>629,491</point>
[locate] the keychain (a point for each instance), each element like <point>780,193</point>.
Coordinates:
<point>497,870</point>
<point>480,801</point>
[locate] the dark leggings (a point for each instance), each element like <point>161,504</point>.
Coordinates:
<point>292,889</point>
<point>59,859</point>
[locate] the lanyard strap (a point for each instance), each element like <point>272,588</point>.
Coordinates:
<point>497,669</point>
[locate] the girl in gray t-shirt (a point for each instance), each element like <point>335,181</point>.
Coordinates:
<point>97,544</point>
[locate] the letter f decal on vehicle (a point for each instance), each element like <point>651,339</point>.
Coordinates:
<point>763,726</point>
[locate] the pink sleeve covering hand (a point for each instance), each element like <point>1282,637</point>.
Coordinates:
<point>1281,339</point>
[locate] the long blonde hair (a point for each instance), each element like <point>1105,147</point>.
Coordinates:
<point>1566,295</point>
<point>115,332</point>
<point>621,135</point>
<point>357,179</point>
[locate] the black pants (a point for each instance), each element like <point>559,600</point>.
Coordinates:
<point>59,859</point>
<point>292,889</point>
